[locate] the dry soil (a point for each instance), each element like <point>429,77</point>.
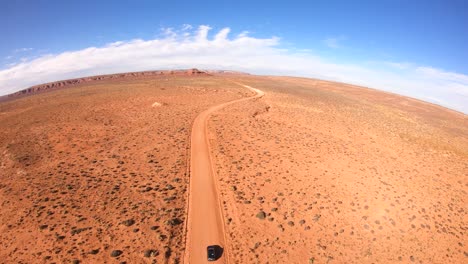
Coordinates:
<point>312,172</point>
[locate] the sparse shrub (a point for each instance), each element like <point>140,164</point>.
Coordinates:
<point>128,222</point>
<point>174,221</point>
<point>151,253</point>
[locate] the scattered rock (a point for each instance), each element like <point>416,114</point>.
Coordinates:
<point>261,215</point>
<point>116,253</point>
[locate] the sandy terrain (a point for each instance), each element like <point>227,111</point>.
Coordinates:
<point>311,172</point>
<point>94,171</point>
<point>319,172</point>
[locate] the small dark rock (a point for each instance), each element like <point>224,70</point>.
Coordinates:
<point>116,253</point>
<point>261,215</point>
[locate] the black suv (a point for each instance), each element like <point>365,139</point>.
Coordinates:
<point>211,250</point>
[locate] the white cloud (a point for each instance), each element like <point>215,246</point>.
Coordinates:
<point>186,27</point>
<point>222,35</point>
<point>203,33</point>
<point>187,48</point>
<point>168,32</point>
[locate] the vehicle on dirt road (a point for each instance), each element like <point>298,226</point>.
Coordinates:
<point>211,251</point>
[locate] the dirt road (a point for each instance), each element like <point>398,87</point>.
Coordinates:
<point>205,221</point>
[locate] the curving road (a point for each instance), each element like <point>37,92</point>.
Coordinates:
<point>205,224</point>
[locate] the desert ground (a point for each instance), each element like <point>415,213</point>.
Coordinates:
<point>312,171</point>
<point>97,173</point>
<point>321,172</point>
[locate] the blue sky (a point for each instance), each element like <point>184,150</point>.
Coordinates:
<point>421,43</point>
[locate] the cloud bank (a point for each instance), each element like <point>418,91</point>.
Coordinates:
<point>188,47</point>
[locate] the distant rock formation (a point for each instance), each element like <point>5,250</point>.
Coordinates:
<point>70,82</point>
<point>226,72</point>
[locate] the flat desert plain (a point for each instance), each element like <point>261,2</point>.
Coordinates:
<point>97,173</point>
<point>321,172</point>
<point>310,172</point>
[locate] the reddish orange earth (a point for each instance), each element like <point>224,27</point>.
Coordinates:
<point>205,219</point>
<point>105,170</point>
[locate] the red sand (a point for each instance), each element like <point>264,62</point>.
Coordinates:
<point>312,172</point>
